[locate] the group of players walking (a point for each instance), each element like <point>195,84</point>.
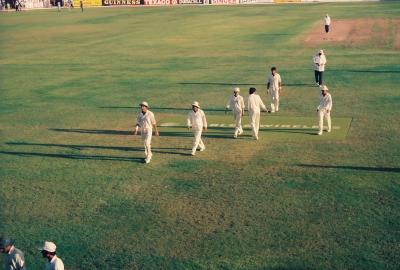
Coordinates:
<point>197,122</point>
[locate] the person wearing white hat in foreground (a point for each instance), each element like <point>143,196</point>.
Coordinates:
<point>274,87</point>
<point>324,109</point>
<point>145,120</point>
<point>236,104</point>
<point>13,257</point>
<point>255,105</point>
<point>319,67</point>
<point>196,120</point>
<point>48,251</point>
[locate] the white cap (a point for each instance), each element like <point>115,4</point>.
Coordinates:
<point>236,89</point>
<point>324,88</point>
<point>144,103</point>
<point>321,51</point>
<point>49,246</point>
<point>196,104</point>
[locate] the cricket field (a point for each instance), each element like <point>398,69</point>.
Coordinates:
<point>71,170</point>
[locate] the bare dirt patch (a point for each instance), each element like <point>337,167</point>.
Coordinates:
<point>356,32</point>
<point>398,36</point>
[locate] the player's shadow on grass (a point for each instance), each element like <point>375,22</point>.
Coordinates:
<point>358,168</point>
<point>291,130</point>
<point>183,133</point>
<point>73,156</point>
<point>164,150</point>
<point>93,131</point>
<point>366,71</point>
<point>162,108</point>
<point>241,84</point>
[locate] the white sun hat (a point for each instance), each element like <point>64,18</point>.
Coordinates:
<point>144,103</point>
<point>48,246</point>
<point>236,89</point>
<point>324,88</point>
<point>196,104</point>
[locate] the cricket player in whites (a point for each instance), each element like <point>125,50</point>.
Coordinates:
<point>324,109</point>
<point>255,105</point>
<point>145,121</point>
<point>274,87</point>
<point>327,23</point>
<point>236,104</point>
<point>196,120</point>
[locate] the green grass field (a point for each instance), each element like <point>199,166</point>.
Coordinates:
<point>72,172</point>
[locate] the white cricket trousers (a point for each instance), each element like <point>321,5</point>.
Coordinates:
<point>197,141</point>
<point>321,115</point>
<point>274,100</point>
<point>255,123</point>
<point>238,122</point>
<point>147,144</point>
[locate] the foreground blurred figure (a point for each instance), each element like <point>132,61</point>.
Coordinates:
<point>13,257</point>
<point>48,251</point>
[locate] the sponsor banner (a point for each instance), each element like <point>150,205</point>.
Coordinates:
<point>256,1</point>
<point>121,2</point>
<point>36,3</point>
<point>188,2</point>
<point>224,2</point>
<point>160,2</point>
<point>287,1</point>
<point>87,3</point>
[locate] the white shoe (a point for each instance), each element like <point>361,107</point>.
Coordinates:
<point>235,136</point>
<point>329,130</point>
<point>256,138</point>
<point>193,153</point>
<point>240,132</point>
<point>202,149</point>
<point>147,160</point>
<point>319,133</point>
<point>316,84</point>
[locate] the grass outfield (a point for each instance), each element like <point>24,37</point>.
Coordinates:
<point>72,172</point>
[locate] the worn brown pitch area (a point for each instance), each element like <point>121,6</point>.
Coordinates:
<point>355,32</point>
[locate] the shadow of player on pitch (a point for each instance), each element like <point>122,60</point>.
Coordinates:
<point>166,150</point>
<point>178,133</point>
<point>93,131</point>
<point>155,109</point>
<point>73,156</point>
<point>291,130</point>
<point>346,167</point>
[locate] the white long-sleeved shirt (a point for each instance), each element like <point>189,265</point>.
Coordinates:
<point>14,260</point>
<point>197,120</point>
<point>255,103</point>
<point>235,103</point>
<point>319,62</point>
<point>325,102</point>
<point>146,121</point>
<point>55,264</point>
<point>327,20</point>
<point>274,82</point>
